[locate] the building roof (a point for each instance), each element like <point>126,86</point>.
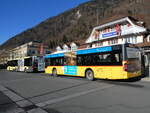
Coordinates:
<point>113,22</point>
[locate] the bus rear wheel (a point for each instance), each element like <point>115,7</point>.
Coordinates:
<point>54,72</point>
<point>89,75</point>
<point>25,70</point>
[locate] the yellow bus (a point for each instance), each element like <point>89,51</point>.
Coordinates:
<point>109,62</point>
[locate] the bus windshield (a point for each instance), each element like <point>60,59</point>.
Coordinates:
<point>28,62</point>
<point>12,63</point>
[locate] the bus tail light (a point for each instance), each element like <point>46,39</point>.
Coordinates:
<point>125,67</point>
<point>33,67</point>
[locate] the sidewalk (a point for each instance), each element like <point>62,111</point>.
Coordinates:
<point>146,79</point>
<point>10,102</point>
<point>7,105</point>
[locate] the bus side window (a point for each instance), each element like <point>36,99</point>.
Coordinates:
<point>47,62</point>
<point>111,58</point>
<point>65,62</point>
<point>79,61</point>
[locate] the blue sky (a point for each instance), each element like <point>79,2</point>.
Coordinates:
<point>18,15</point>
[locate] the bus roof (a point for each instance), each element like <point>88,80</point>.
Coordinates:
<point>86,51</point>
<point>54,55</point>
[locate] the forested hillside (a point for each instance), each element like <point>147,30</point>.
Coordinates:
<point>77,23</point>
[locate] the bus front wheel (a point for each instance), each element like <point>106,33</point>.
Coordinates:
<point>89,75</point>
<point>54,72</point>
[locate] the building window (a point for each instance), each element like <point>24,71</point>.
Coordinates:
<point>48,52</point>
<point>74,48</point>
<point>132,40</point>
<point>33,52</point>
<point>99,44</point>
<point>38,51</point>
<point>93,45</point>
<point>114,41</point>
<point>148,38</point>
<point>139,39</point>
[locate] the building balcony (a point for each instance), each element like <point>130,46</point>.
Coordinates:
<point>123,32</point>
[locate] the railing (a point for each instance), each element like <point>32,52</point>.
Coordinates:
<point>124,31</point>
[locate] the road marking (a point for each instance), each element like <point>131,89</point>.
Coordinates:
<point>13,96</point>
<point>24,103</point>
<point>2,88</point>
<point>42,104</point>
<point>37,110</point>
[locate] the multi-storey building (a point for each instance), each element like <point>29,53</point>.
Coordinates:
<point>28,49</point>
<point>124,30</point>
<point>4,57</point>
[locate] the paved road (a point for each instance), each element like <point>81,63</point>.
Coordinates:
<point>41,93</point>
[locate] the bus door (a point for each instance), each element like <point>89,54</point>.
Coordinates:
<point>34,64</point>
<point>70,67</point>
<point>21,65</point>
<point>28,64</point>
<point>146,64</point>
<point>106,59</point>
<point>41,64</point>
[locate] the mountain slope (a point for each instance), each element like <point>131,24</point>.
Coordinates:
<point>77,23</point>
